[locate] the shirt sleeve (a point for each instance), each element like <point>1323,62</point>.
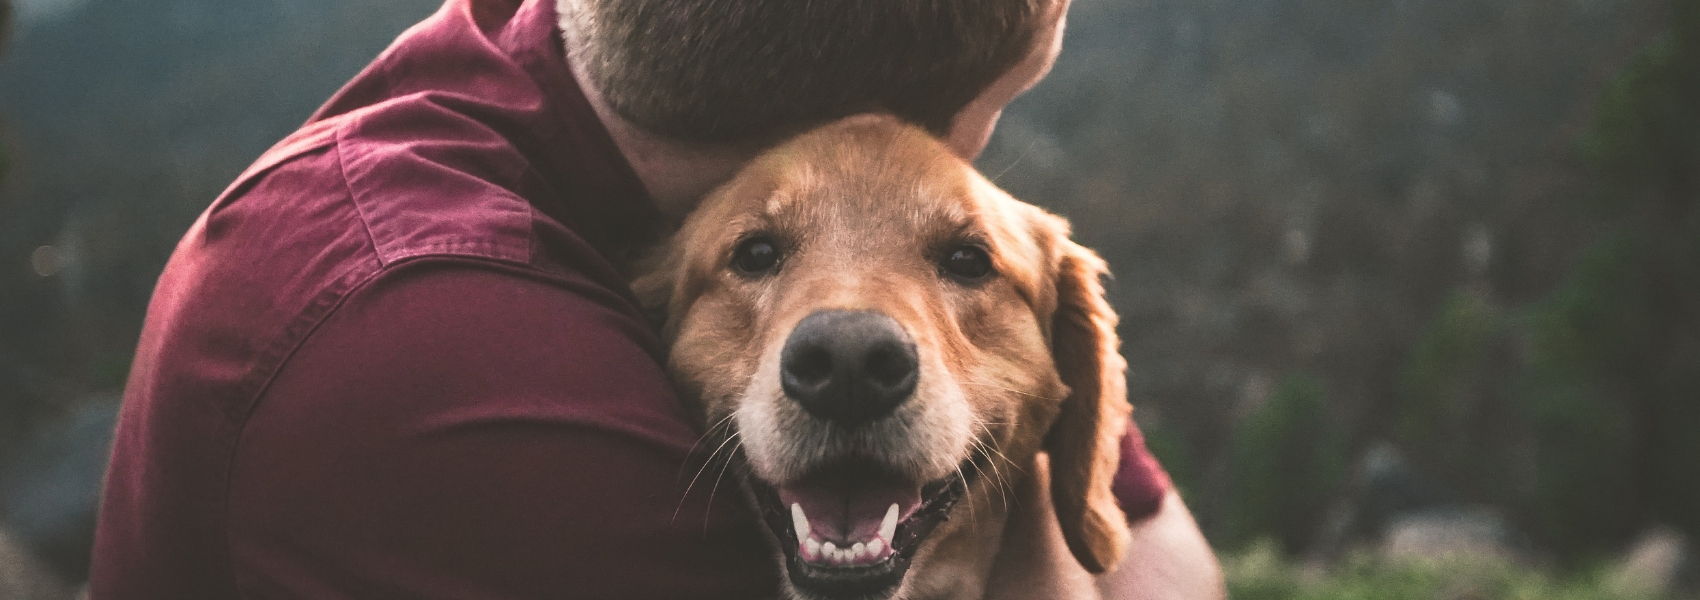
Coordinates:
<point>1140,483</point>
<point>461,432</point>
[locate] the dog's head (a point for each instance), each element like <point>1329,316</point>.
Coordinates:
<point>890,339</point>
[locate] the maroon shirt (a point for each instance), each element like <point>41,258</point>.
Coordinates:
<point>394,360</point>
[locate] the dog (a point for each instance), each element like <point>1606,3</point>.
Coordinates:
<point>892,348</point>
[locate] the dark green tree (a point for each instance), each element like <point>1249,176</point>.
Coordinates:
<point>1575,407</point>
<point>1286,465</point>
<point>1613,390</point>
<point>8,379</point>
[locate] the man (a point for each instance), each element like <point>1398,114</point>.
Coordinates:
<point>397,359</point>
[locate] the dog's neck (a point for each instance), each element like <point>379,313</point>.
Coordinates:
<point>966,561</point>
<point>1014,549</point>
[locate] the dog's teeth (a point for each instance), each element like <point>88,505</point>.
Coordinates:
<point>888,527</point>
<point>799,521</point>
<point>812,547</point>
<point>875,546</point>
<point>829,548</point>
<point>859,550</point>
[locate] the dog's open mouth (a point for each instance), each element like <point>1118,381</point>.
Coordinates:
<point>850,530</point>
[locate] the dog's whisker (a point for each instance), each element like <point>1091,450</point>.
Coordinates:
<point>968,494</point>
<point>707,434</point>
<point>993,456</point>
<point>1011,390</point>
<point>999,482</point>
<point>981,471</point>
<point>717,479</point>
<point>706,463</point>
<point>989,434</point>
<point>1017,161</point>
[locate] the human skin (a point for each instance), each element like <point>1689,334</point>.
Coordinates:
<point>1168,556</point>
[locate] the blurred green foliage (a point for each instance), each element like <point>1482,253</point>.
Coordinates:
<point>1646,119</point>
<point>1574,408</point>
<point>1610,381</point>
<point>1449,410</point>
<point>1585,439</point>
<point>1287,463</point>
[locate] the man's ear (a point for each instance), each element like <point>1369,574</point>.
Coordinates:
<point>1085,442</point>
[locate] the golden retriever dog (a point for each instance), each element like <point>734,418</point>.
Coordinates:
<point>894,349</point>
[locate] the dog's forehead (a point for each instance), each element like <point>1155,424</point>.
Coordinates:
<point>871,188</point>
<point>887,182</point>
<point>876,200</point>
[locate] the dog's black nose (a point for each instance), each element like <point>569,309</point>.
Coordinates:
<point>848,367</point>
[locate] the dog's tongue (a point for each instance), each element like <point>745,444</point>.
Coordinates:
<point>850,507</point>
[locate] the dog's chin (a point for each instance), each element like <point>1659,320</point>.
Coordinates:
<point>849,530</point>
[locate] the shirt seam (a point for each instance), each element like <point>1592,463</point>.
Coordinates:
<point>348,188</point>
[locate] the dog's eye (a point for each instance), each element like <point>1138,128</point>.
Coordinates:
<point>755,256</point>
<point>967,262</point>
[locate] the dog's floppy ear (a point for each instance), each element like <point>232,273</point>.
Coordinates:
<point>1085,442</point>
<point>653,277</point>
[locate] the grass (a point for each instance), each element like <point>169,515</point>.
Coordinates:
<point>1261,573</point>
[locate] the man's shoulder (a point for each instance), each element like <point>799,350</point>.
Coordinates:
<point>344,200</point>
<point>493,338</point>
<point>345,204</point>
<point>413,180</point>
<point>429,180</point>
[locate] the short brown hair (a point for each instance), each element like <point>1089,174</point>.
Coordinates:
<point>755,70</point>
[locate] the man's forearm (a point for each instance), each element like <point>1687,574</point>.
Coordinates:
<point>1167,558</point>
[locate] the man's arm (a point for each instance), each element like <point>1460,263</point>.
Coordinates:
<point>1168,558</point>
<point>459,432</point>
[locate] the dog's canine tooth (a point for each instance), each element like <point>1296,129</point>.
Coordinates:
<point>888,527</point>
<point>800,521</point>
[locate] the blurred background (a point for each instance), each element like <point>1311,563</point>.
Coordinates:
<point>1410,288</point>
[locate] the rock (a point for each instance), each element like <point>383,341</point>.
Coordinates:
<point>1651,566</point>
<point>1445,533</point>
<point>50,488</point>
<point>23,577</point>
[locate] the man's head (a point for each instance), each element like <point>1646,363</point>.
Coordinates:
<point>756,71</point>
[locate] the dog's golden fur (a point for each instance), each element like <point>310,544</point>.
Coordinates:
<point>1015,370</point>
